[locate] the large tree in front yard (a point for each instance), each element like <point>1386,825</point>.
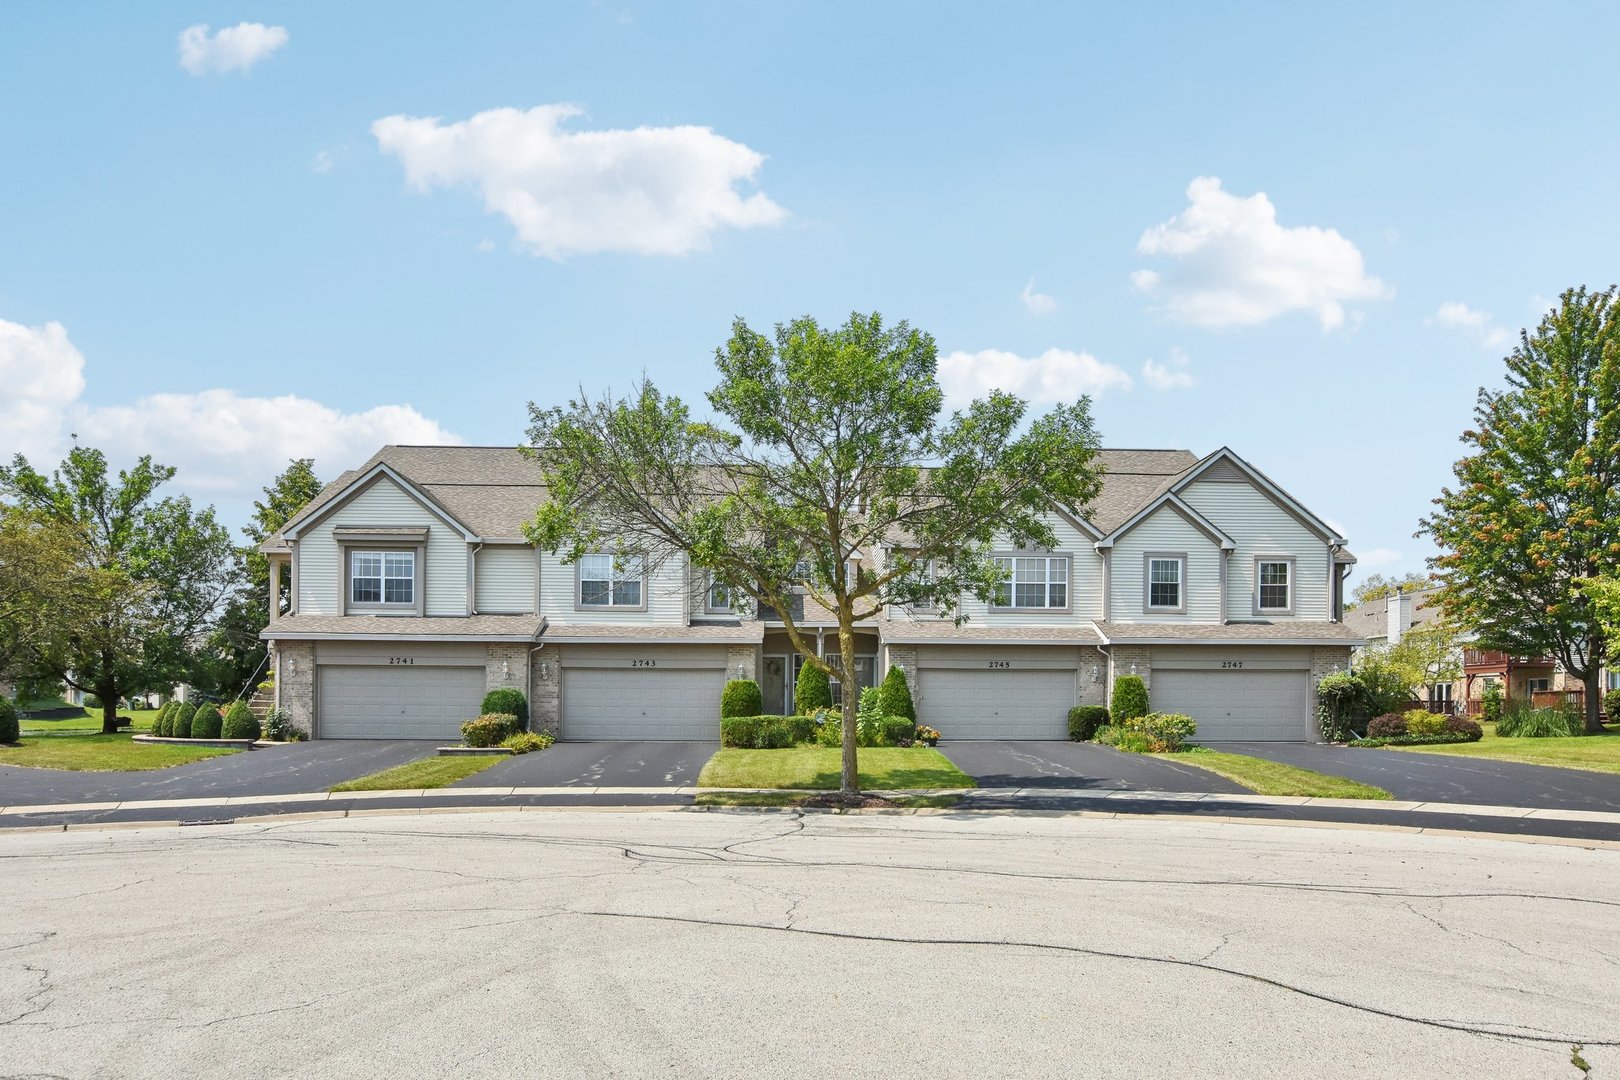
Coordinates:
<point>150,573</point>
<point>829,469</point>
<point>1534,512</point>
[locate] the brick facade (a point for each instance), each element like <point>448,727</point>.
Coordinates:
<point>743,659</point>
<point>545,690</point>
<point>295,685</point>
<point>1120,659</point>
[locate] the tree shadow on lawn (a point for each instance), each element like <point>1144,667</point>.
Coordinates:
<point>894,779</point>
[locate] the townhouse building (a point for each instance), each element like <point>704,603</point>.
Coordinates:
<point>414,592</point>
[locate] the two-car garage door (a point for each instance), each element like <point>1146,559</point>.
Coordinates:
<point>1271,706</point>
<point>998,704</point>
<point>398,702</point>
<point>617,703</point>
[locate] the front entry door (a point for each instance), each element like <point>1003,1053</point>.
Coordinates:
<point>773,689</point>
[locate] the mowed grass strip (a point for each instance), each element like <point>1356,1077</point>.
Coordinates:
<point>1595,753</point>
<point>102,753</point>
<point>818,768</point>
<point>1274,778</point>
<point>90,722</point>
<point>431,772</point>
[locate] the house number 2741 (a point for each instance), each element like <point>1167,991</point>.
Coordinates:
<point>392,660</point>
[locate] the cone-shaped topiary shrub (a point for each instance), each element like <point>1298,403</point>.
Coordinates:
<point>811,691</point>
<point>206,723</point>
<point>180,727</point>
<point>896,697</point>
<point>10,730</point>
<point>161,720</point>
<point>1130,699</point>
<point>507,700</point>
<point>741,698</point>
<point>240,723</point>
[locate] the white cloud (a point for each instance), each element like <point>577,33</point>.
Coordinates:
<point>223,443</point>
<point>1453,315</point>
<point>485,244</point>
<point>1171,376</point>
<point>1236,266</point>
<point>235,48</point>
<point>324,162</point>
<point>1036,303</point>
<point>648,190</point>
<point>1053,376</point>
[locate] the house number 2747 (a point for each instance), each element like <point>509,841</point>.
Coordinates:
<point>1231,663</point>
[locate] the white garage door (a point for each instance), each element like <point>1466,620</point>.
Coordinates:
<point>1261,705</point>
<point>997,704</point>
<point>624,704</point>
<point>398,702</point>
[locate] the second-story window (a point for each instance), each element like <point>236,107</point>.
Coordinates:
<point>606,581</point>
<point>718,597</point>
<point>382,577</point>
<point>1275,585</point>
<point>1164,582</point>
<point>1033,581</point>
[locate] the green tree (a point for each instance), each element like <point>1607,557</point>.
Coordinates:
<point>43,599</point>
<point>1377,586</point>
<point>1428,653</point>
<point>812,480</point>
<point>1535,510</point>
<point>153,573</point>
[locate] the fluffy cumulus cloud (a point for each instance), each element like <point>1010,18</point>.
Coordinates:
<point>1477,325</point>
<point>1036,303</point>
<point>646,190</point>
<point>1233,264</point>
<point>223,443</point>
<point>1055,375</point>
<point>1169,376</point>
<point>234,48</point>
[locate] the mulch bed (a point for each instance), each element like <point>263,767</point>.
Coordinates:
<point>834,800</point>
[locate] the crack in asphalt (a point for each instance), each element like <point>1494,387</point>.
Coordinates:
<point>1106,954</point>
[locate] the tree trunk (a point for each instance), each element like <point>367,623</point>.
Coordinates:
<point>1594,703</point>
<point>109,708</point>
<point>851,781</point>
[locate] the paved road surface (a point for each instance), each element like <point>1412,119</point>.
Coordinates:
<point>723,944</point>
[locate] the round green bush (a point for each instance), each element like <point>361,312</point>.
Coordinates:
<point>1084,720</point>
<point>741,697</point>
<point>507,701</point>
<point>1461,725</point>
<point>1388,726</point>
<point>1130,698</point>
<point>240,723</point>
<point>1611,705</point>
<point>162,717</point>
<point>10,731</point>
<point>180,727</point>
<point>811,690</point>
<point>896,699</point>
<point>206,723</point>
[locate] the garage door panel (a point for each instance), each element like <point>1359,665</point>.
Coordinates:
<point>381,702</point>
<point>980,704</point>
<point>1270,706</point>
<point>619,704</point>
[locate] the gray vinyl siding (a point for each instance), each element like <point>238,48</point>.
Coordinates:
<point>1166,531</point>
<point>664,589</point>
<point>1085,585</point>
<point>505,577</point>
<point>1262,527</point>
<point>383,505</point>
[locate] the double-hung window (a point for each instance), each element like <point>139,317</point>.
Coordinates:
<point>718,597</point>
<point>1166,582</point>
<point>1274,585</point>
<point>610,581</point>
<point>1033,581</point>
<point>382,578</point>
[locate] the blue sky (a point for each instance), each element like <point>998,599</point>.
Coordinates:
<point>190,233</point>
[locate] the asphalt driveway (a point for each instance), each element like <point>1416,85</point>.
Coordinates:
<point>600,764</point>
<point>274,770</point>
<point>1078,765</point>
<point>1420,777</point>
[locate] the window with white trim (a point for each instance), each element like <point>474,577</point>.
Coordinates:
<point>1033,581</point>
<point>610,581</point>
<point>1164,582</point>
<point>384,578</point>
<point>1275,585</point>
<point>718,598</point>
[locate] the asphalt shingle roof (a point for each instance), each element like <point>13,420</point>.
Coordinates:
<point>1147,633</point>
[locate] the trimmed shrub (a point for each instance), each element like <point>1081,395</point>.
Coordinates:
<point>766,732</point>
<point>1611,705</point>
<point>1121,738</point>
<point>1424,722</point>
<point>160,722</point>
<point>1544,723</point>
<point>491,729</point>
<point>1491,702</point>
<point>240,723</point>
<point>1165,732</point>
<point>277,727</point>
<point>527,741</point>
<point>1130,698</point>
<point>1387,726</point>
<point>10,730</point>
<point>899,731</point>
<point>811,691</point>
<point>802,728</point>
<point>1468,729</point>
<point>506,701</point>
<point>741,697</point>
<point>180,728</point>
<point>206,723</point>
<point>1084,720</point>
<point>740,732</point>
<point>1411,740</point>
<point>897,695</point>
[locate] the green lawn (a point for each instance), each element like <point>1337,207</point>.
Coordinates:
<point>817,768</point>
<point>102,753</point>
<point>1273,778</point>
<point>143,722</point>
<point>430,772</point>
<point>1595,753</point>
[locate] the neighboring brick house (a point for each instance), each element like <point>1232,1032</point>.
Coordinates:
<point>414,593</point>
